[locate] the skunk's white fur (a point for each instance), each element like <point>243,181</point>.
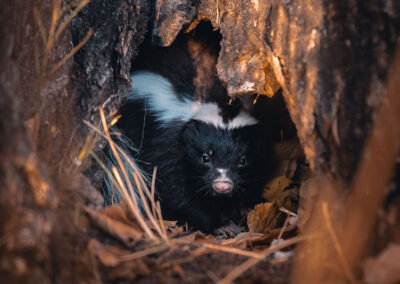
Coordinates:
<point>162,99</point>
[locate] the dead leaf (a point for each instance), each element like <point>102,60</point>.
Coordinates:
<point>117,213</point>
<point>263,218</point>
<point>129,235</point>
<point>288,153</point>
<point>275,189</point>
<point>289,150</point>
<point>385,268</point>
<point>278,191</point>
<point>117,268</point>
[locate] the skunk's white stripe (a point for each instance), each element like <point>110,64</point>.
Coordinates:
<point>242,119</point>
<point>210,113</point>
<point>161,98</point>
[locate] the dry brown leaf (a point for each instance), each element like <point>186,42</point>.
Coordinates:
<point>385,268</point>
<point>243,238</point>
<point>117,213</point>
<point>275,189</point>
<point>195,236</point>
<point>118,228</point>
<point>263,217</point>
<point>289,150</point>
<point>288,153</point>
<point>278,191</point>
<point>112,257</point>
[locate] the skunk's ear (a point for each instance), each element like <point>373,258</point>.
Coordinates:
<point>191,125</point>
<point>248,131</point>
<point>190,131</point>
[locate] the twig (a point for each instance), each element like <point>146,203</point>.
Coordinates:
<point>217,19</point>
<point>71,16</point>
<point>113,194</point>
<point>153,186</point>
<point>234,250</point>
<point>239,270</point>
<point>158,10</point>
<point>145,252</point>
<point>132,205</point>
<point>343,261</point>
<point>39,22</point>
<point>71,53</point>
<point>283,209</point>
<point>221,248</point>
<point>115,120</point>
<point>51,38</point>
<point>67,150</point>
<point>283,227</point>
<point>87,147</point>
<point>180,261</point>
<point>69,6</point>
<point>147,209</point>
<point>160,218</point>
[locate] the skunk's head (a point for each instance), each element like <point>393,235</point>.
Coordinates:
<point>224,161</point>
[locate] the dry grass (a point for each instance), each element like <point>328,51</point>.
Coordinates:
<point>128,189</point>
<point>58,24</point>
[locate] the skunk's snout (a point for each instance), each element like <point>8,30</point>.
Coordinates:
<point>223,184</point>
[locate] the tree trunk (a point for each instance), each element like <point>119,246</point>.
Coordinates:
<point>330,59</point>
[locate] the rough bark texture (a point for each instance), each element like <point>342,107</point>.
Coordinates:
<point>27,196</point>
<point>330,59</point>
<point>104,63</point>
<point>43,233</point>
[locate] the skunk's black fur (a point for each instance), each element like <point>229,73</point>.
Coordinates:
<point>213,157</point>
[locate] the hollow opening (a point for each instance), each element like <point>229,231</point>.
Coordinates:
<point>216,156</point>
<point>228,166</point>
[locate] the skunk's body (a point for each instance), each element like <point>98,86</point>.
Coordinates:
<point>213,157</point>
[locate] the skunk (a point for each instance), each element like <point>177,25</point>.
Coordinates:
<point>213,156</point>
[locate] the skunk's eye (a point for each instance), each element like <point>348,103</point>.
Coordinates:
<point>206,158</point>
<point>242,161</point>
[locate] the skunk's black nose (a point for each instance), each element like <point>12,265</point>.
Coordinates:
<point>223,185</point>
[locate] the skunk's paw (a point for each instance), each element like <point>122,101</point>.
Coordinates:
<point>228,230</point>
